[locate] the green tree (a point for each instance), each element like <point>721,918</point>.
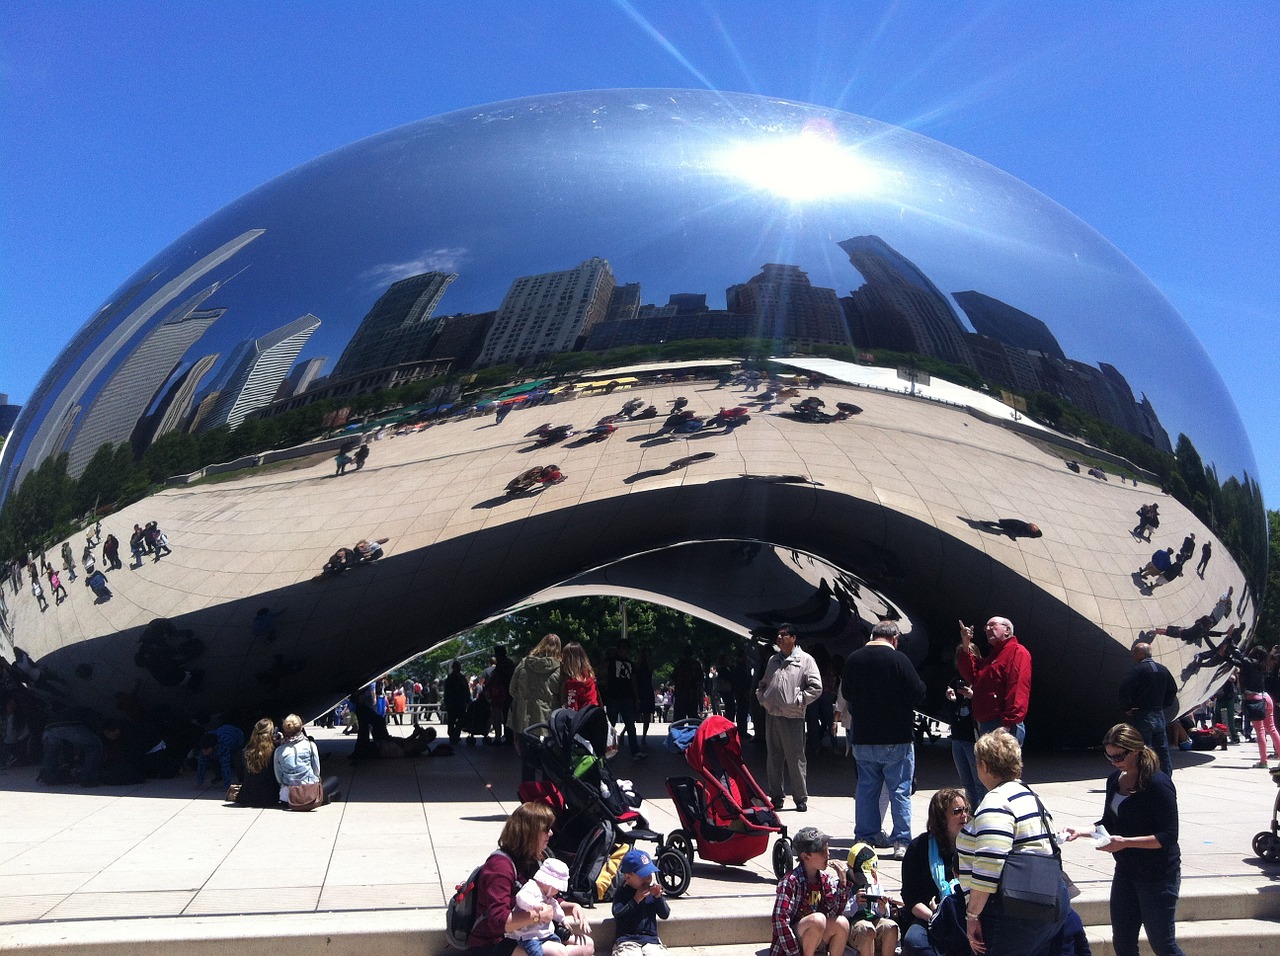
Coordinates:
<point>1269,613</point>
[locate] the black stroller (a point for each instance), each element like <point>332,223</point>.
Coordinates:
<point>594,815</point>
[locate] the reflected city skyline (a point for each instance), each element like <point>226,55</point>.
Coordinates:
<point>896,308</point>
<point>690,208</point>
<point>897,351</point>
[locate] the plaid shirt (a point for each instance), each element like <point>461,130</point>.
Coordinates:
<point>796,899</point>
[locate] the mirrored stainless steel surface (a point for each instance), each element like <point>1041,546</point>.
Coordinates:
<point>517,232</point>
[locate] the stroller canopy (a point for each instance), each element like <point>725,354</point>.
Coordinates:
<point>718,731</point>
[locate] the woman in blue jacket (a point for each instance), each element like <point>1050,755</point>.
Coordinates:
<point>297,761</point>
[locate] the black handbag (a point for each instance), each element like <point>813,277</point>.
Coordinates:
<point>1031,883</point>
<point>948,934</point>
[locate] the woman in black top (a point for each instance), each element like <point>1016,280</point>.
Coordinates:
<point>1141,817</point>
<point>260,788</point>
<point>929,868</point>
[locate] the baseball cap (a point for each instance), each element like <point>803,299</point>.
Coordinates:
<point>862,865</point>
<point>639,863</point>
<point>809,840</point>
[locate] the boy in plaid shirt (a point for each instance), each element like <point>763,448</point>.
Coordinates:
<point>810,901</point>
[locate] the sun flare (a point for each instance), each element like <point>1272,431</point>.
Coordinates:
<point>808,166</point>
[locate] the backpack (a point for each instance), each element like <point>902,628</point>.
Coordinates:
<point>460,914</point>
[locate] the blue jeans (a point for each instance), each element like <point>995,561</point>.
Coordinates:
<point>890,766</point>
<point>1147,903</point>
<point>1007,936</point>
<point>1151,724</point>
<point>967,765</point>
<point>915,941</point>
<point>1019,730</point>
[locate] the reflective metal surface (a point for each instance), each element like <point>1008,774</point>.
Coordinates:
<point>515,232</point>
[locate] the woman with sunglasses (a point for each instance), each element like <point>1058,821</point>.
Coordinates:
<point>929,867</point>
<point>1141,817</point>
<point>522,847</point>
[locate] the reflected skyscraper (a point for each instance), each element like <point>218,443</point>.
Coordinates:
<point>787,306</point>
<point>66,384</point>
<point>545,314</point>
<point>130,390</point>
<point>256,371</point>
<point>300,379</point>
<point>174,408</point>
<point>8,415</point>
<point>461,337</point>
<point>624,304</point>
<point>899,308</point>
<point>398,328</point>
<point>1008,325</point>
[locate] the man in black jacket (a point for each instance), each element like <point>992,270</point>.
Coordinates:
<point>883,691</point>
<point>1147,690</point>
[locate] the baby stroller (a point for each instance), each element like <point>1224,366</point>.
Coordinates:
<point>1266,843</point>
<point>595,814</point>
<point>723,811</point>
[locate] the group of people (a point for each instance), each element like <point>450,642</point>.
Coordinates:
<point>1166,565</point>
<point>961,857</point>
<point>508,698</point>
<point>41,572</point>
<point>518,906</point>
<point>275,766</point>
<point>961,854</point>
<point>346,457</point>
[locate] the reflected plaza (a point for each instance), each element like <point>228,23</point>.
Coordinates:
<point>890,357</point>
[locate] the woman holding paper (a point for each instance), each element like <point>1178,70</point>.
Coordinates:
<point>1139,826</point>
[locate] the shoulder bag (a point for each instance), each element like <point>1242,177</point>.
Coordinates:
<point>1030,883</point>
<point>306,796</point>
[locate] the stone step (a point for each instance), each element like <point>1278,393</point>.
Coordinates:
<point>1225,916</point>
<point>1212,937</point>
<point>1239,937</point>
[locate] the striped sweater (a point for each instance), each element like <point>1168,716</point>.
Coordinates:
<point>1008,821</point>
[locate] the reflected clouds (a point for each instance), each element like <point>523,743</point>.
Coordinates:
<point>518,233</point>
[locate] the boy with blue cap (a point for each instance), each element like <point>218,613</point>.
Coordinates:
<point>637,907</point>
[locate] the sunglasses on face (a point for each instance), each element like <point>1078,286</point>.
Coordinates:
<point>959,811</point>
<point>1117,758</point>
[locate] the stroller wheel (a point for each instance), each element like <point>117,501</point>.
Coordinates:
<point>1267,846</point>
<point>674,872</point>
<point>783,860</point>
<point>679,841</point>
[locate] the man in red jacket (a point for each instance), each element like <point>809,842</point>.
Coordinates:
<point>1001,681</point>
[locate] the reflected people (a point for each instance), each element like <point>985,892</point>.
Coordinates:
<point>890,347</point>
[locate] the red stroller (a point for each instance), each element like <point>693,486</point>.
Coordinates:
<point>723,811</point>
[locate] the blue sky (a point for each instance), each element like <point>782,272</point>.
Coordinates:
<point>124,124</point>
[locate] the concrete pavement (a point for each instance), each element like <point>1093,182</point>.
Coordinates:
<point>163,867</point>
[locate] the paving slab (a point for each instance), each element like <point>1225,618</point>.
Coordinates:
<point>163,862</point>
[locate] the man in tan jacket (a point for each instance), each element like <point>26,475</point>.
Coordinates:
<point>790,684</point>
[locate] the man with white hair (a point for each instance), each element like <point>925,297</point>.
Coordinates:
<point>1001,681</point>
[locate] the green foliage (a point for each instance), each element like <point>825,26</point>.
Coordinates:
<point>1268,632</point>
<point>593,622</point>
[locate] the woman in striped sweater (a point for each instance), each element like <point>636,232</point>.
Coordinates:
<point>1007,821</point>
